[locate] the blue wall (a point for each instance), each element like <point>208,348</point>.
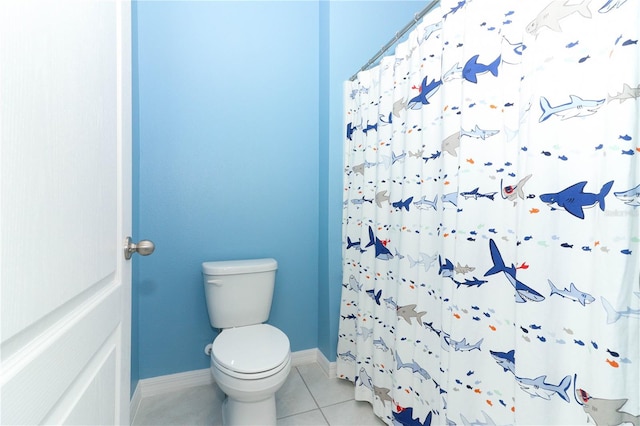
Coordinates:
<point>238,154</point>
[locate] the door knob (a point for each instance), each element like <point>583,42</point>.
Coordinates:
<point>143,248</point>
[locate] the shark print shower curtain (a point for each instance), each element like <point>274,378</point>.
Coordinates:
<point>491,268</point>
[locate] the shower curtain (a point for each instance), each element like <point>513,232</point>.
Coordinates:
<point>491,193</point>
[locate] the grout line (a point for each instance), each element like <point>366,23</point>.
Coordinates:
<point>313,397</point>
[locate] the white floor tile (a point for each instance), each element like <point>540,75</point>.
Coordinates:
<point>193,406</point>
<point>308,397</point>
<point>326,391</point>
<point>351,413</point>
<point>293,397</point>
<point>310,418</point>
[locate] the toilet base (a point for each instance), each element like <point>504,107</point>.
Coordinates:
<point>239,413</point>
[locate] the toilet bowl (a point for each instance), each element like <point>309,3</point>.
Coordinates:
<point>250,364</point>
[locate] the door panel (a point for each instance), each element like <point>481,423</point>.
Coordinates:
<point>65,124</point>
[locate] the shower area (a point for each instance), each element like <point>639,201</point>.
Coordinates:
<point>490,217</point>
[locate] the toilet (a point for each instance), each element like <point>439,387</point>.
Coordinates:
<point>250,360</point>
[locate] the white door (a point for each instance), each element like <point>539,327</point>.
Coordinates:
<point>65,124</point>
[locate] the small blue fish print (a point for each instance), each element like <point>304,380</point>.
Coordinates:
<point>507,22</point>
<point>508,104</point>
<point>586,248</point>
<point>627,152</point>
<point>475,308</point>
<point>599,147</point>
<point>578,342</point>
<point>594,344</point>
<point>535,327</point>
<point>618,39</point>
<point>470,372</point>
<point>509,13</point>
<point>572,44</point>
<point>524,330</point>
<point>546,153</point>
<point>542,338</point>
<point>528,237</point>
<point>563,157</point>
<point>524,148</point>
<point>613,354</point>
<point>625,137</point>
<point>630,42</point>
<point>476,318</point>
<point>493,230</point>
<point>581,60</point>
<point>491,28</point>
<point>566,245</point>
<point>625,251</point>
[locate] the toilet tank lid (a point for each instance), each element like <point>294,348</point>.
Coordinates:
<point>231,267</point>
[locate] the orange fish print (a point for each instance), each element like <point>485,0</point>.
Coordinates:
<point>534,210</point>
<point>613,363</point>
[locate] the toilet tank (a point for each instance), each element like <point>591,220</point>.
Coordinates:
<point>239,292</point>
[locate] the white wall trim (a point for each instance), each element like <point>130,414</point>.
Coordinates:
<point>180,381</point>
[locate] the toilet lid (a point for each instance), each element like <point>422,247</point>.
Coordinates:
<point>251,349</point>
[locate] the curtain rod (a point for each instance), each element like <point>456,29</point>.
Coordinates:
<point>399,34</point>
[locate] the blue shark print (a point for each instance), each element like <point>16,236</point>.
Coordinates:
<point>351,244</point>
<point>405,418</point>
<point>365,379</point>
<point>424,204</point>
<point>403,204</point>
<point>370,127</point>
<point>523,292</point>
<point>413,366</point>
<point>573,199</point>
<point>354,285</point>
<point>479,133</point>
<point>610,5</point>
<point>475,194</point>
<point>462,345</point>
<point>577,107</point>
<point>446,268</point>
<point>472,68</point>
<point>573,294</point>
<point>382,252</point>
<point>455,8</point>
<point>470,283</point>
<point>347,356</point>
<point>630,197</point>
<point>506,360</point>
<point>380,344</point>
<point>426,91</point>
<point>350,129</point>
<point>613,315</point>
<point>375,295</point>
<point>451,198</point>
<point>539,388</point>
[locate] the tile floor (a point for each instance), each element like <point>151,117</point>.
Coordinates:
<point>308,397</point>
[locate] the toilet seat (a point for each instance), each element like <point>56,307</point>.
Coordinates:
<point>251,352</point>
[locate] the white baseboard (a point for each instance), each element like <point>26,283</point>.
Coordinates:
<point>180,381</point>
